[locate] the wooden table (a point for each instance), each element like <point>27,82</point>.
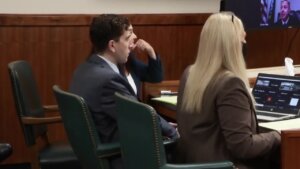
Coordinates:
<point>165,109</point>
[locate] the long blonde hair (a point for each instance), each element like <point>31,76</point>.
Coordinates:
<point>219,53</point>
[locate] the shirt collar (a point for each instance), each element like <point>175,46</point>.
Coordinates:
<point>285,22</point>
<point>111,64</point>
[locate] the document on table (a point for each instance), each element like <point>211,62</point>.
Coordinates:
<point>166,99</point>
<point>290,124</point>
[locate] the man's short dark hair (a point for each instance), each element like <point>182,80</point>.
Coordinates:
<point>288,1</point>
<point>107,27</point>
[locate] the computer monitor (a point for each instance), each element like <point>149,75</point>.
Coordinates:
<point>257,14</point>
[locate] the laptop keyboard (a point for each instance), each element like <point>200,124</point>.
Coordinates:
<point>269,114</point>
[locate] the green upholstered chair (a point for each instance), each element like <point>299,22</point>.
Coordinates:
<point>141,140</point>
<point>82,133</point>
<point>31,114</point>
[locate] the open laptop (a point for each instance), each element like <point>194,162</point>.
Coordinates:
<point>277,97</point>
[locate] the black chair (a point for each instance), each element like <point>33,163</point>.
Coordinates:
<point>82,132</point>
<point>31,114</point>
<point>5,151</point>
<point>141,140</point>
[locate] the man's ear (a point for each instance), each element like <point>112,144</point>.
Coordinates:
<point>111,46</point>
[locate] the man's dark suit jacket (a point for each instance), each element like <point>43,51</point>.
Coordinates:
<point>293,21</point>
<point>97,82</point>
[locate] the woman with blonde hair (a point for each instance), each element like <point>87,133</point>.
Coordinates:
<point>216,116</point>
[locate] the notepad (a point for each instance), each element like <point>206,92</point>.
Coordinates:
<point>291,124</point>
<point>166,99</point>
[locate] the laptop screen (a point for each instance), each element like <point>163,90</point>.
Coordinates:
<point>277,93</point>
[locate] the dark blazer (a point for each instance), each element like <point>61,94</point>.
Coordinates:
<point>293,21</point>
<point>225,129</point>
<point>151,72</point>
<point>96,82</point>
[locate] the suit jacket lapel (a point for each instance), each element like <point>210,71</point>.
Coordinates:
<point>96,59</point>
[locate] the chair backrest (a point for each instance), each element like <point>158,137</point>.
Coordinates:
<point>27,99</point>
<point>80,129</point>
<point>140,135</point>
<point>141,140</point>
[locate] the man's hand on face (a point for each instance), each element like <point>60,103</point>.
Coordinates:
<point>144,46</point>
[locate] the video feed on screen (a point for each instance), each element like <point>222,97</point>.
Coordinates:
<point>265,13</point>
<point>280,13</point>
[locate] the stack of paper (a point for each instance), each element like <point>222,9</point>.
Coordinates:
<point>167,99</point>
<point>291,124</point>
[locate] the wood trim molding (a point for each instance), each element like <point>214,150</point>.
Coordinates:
<point>85,19</point>
<point>168,19</point>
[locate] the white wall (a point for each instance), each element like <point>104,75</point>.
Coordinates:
<point>107,6</point>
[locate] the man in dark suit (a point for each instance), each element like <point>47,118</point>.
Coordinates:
<point>286,19</point>
<point>97,79</point>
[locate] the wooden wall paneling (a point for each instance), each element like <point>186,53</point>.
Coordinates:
<point>269,47</point>
<point>176,45</point>
<point>55,45</point>
<point>53,52</point>
<point>10,128</point>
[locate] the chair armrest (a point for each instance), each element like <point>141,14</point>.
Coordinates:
<point>217,165</point>
<point>50,108</point>
<point>41,120</point>
<point>108,150</point>
<point>170,143</point>
<point>5,151</point>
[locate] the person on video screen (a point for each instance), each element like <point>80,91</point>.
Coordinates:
<point>285,18</point>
